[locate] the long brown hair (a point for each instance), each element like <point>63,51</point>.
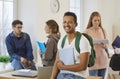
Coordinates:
<point>52,24</point>
<point>91,17</point>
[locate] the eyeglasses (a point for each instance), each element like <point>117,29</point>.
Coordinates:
<point>19,27</point>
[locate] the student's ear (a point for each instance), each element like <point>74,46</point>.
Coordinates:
<point>76,24</point>
<point>13,27</point>
<point>50,30</point>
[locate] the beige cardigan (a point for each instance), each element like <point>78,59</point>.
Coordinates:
<point>101,60</point>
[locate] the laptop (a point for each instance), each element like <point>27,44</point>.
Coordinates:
<point>44,72</point>
<point>24,74</point>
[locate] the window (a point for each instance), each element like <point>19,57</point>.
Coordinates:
<point>6,17</point>
<point>75,6</point>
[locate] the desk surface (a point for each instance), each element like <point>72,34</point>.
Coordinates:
<point>9,75</point>
<point>113,76</point>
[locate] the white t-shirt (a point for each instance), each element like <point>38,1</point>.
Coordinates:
<point>84,47</point>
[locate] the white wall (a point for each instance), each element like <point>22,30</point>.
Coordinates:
<point>107,14</point>
<point>116,25</point>
<point>88,7</point>
<point>34,14</point>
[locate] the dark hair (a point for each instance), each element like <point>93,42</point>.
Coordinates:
<point>91,17</point>
<point>71,14</point>
<point>15,22</point>
<point>52,24</point>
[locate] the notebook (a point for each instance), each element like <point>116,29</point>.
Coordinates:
<point>100,41</point>
<point>41,46</point>
<point>44,72</point>
<point>67,57</point>
<point>24,74</point>
<point>116,42</point>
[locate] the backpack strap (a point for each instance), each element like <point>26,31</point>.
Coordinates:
<point>77,41</point>
<point>63,41</point>
<point>89,39</point>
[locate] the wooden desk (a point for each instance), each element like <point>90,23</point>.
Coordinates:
<point>9,75</point>
<point>93,77</point>
<point>113,76</point>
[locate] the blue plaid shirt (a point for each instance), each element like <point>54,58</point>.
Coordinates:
<point>19,47</point>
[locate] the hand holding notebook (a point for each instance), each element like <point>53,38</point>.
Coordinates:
<point>67,57</point>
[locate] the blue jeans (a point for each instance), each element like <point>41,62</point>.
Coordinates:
<point>17,65</point>
<point>99,72</point>
<point>68,76</point>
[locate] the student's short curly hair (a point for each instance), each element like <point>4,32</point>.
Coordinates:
<point>71,14</point>
<point>15,22</point>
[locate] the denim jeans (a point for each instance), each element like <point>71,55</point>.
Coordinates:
<point>99,72</point>
<point>68,76</point>
<point>17,65</point>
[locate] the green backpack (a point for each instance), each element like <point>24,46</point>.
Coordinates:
<point>77,41</point>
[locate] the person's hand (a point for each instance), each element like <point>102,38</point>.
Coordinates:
<point>51,78</point>
<point>60,65</point>
<point>29,63</point>
<point>103,45</point>
<point>23,60</point>
<point>114,47</point>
